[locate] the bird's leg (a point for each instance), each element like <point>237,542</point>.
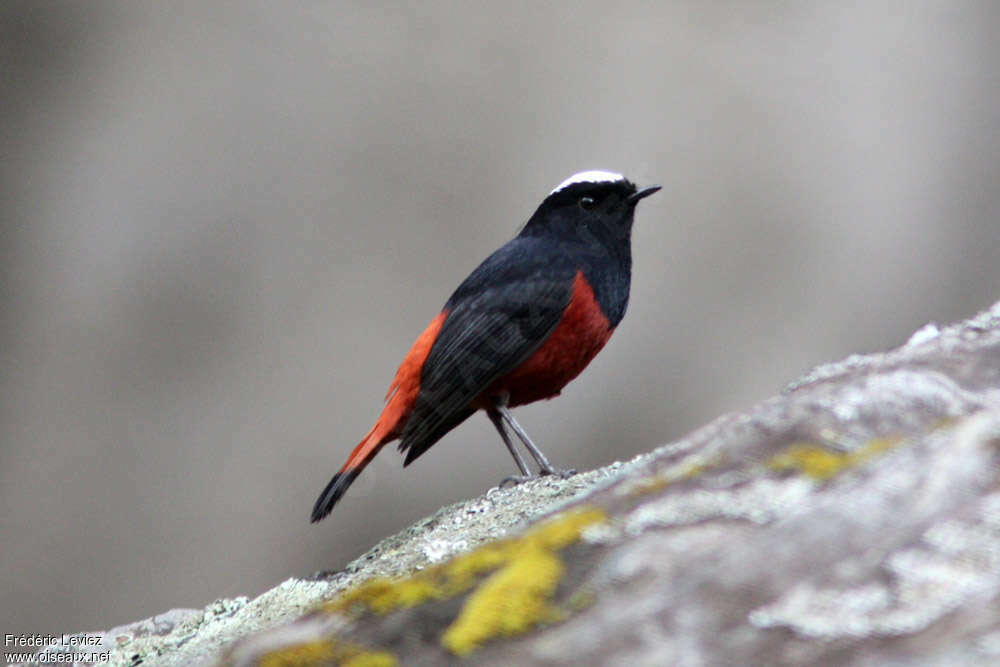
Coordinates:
<point>544,467</point>
<point>518,459</point>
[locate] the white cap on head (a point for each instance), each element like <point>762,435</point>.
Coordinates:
<point>593,176</point>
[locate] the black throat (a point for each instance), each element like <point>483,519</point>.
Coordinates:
<point>603,252</point>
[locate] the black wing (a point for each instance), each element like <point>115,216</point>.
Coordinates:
<point>497,318</point>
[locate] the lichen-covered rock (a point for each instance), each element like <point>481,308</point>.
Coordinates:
<point>854,519</point>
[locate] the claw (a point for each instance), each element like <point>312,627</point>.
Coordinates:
<point>517,479</point>
<point>514,480</point>
<point>561,474</point>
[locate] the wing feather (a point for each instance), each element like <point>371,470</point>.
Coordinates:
<point>488,332</point>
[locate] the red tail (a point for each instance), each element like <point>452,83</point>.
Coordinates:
<point>400,398</point>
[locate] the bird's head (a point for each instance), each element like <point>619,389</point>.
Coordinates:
<point>592,203</point>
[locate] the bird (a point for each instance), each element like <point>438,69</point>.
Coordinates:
<point>519,328</point>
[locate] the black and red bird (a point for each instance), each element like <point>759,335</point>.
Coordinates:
<point>522,325</point>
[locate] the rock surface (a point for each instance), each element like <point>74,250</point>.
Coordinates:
<point>853,519</point>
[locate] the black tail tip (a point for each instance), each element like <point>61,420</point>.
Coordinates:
<point>332,493</point>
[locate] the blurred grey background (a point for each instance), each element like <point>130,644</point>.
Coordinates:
<point>223,224</point>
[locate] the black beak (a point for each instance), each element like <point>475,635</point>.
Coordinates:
<point>642,194</point>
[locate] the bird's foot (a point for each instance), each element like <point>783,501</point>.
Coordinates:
<point>514,480</point>
<point>561,474</point>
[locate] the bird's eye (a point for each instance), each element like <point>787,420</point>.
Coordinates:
<point>587,203</point>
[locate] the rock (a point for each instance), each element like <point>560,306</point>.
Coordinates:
<point>853,519</point>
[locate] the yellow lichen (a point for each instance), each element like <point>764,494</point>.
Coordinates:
<point>300,655</point>
<point>821,463</point>
<point>371,659</point>
<point>560,532</point>
<point>382,595</point>
<point>510,601</point>
<point>463,571</point>
<point>581,599</point>
<point>813,460</point>
<point>661,480</point>
<point>518,596</point>
<point>515,597</point>
<point>321,653</point>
